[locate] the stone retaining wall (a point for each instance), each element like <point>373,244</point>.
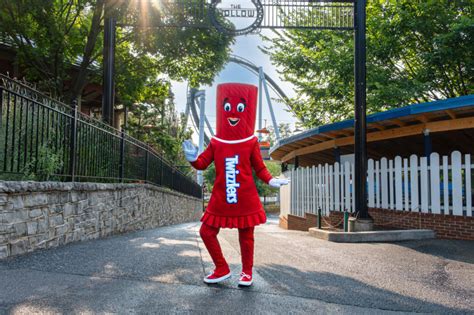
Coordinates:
<point>36,215</point>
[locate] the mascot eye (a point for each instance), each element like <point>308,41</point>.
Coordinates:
<point>227,107</point>
<point>240,107</point>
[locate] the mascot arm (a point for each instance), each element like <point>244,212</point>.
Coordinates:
<point>204,159</point>
<point>259,166</point>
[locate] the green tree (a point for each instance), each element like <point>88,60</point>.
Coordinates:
<point>54,37</point>
<point>283,128</point>
<point>154,120</point>
<point>417,51</point>
<point>265,190</point>
<point>59,46</point>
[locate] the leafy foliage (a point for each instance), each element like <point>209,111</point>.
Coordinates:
<point>154,120</point>
<point>417,51</point>
<point>45,166</point>
<point>59,46</point>
<point>284,130</point>
<point>53,36</point>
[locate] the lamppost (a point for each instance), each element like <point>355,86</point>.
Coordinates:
<point>360,130</point>
<point>108,97</point>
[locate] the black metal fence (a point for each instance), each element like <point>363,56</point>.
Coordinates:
<point>44,139</point>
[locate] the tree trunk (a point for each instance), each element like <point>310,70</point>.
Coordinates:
<point>80,80</point>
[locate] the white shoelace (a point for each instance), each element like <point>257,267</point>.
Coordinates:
<point>243,274</point>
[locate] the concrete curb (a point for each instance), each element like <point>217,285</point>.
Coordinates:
<point>372,236</point>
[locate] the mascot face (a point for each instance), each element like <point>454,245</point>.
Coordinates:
<point>236,110</point>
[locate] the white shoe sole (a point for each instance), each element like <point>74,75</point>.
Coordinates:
<point>246,283</point>
<point>217,280</point>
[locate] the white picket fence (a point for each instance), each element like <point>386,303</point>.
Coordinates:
<point>418,184</point>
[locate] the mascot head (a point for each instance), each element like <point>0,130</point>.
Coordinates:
<point>236,110</point>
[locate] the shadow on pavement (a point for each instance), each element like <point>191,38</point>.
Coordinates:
<point>334,288</point>
<point>462,251</point>
<point>165,255</point>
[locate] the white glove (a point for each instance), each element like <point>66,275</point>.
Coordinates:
<point>190,151</point>
<point>278,182</point>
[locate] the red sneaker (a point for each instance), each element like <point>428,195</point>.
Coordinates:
<point>245,280</point>
<point>216,278</point>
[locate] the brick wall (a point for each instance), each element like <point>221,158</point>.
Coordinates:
<point>445,226</point>
<point>293,222</point>
<point>43,215</point>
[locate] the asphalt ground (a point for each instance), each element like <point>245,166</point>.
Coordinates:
<point>160,271</point>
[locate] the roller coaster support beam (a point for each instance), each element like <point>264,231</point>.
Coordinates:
<point>270,107</point>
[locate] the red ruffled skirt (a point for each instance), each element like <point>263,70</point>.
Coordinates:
<point>240,222</point>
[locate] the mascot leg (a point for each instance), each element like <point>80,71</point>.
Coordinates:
<point>246,241</point>
<point>209,237</point>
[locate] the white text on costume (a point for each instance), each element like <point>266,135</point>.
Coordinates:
<point>231,183</point>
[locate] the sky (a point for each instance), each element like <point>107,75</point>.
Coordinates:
<point>246,47</point>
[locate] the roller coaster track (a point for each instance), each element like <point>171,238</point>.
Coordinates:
<point>253,68</point>
<point>247,64</point>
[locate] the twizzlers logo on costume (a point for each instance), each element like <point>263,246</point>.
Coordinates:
<point>231,183</point>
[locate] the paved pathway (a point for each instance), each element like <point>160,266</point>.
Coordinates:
<point>161,270</point>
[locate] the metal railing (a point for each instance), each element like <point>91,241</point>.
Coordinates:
<point>45,139</point>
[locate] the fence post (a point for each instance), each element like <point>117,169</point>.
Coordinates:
<point>172,176</point>
<point>122,155</point>
<point>146,163</point>
<point>346,221</point>
<point>319,218</point>
<point>72,144</point>
<point>122,144</point>
<point>161,173</point>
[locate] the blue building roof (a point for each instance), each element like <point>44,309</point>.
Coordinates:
<point>414,109</point>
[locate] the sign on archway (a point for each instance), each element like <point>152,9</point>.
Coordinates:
<point>236,17</point>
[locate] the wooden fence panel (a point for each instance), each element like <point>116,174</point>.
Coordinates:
<point>424,189</point>
<point>308,190</point>
<point>347,183</point>
<point>337,187</point>
<point>384,182</point>
<point>467,174</point>
<point>300,190</point>
<point>377,184</point>
<point>325,188</point>
<point>343,186</point>
<point>398,184</point>
<point>456,171</point>
<point>320,187</point>
<point>352,187</point>
<point>406,180</point>
<point>331,188</point>
<point>414,183</point>
<point>445,185</point>
<point>371,183</point>
<point>292,192</point>
<point>391,186</point>
<point>435,182</point>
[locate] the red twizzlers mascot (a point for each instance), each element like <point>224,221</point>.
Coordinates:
<point>234,201</point>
